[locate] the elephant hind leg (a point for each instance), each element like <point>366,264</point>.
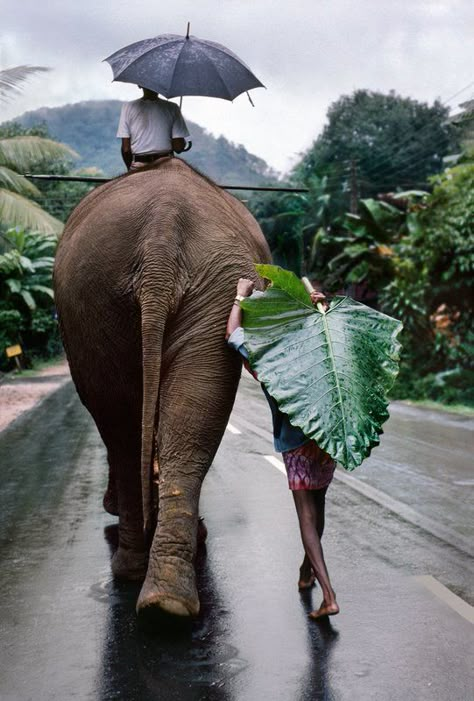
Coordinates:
<point>110,501</point>
<point>122,437</point>
<point>193,416</point>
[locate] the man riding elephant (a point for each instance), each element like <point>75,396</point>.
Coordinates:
<point>144,276</point>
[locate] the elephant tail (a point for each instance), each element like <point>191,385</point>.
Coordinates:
<point>152,340</point>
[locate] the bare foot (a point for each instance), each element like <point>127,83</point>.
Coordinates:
<point>306,580</point>
<point>326,609</point>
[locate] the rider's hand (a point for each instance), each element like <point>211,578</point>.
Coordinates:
<point>245,287</point>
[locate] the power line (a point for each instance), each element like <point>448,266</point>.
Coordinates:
<point>422,129</point>
<point>428,124</point>
<point>402,166</point>
<point>388,154</point>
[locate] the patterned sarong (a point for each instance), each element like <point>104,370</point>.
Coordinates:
<point>308,467</point>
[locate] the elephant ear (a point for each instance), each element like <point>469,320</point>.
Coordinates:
<point>328,371</point>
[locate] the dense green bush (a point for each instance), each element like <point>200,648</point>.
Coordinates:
<point>409,254</point>
<point>27,314</point>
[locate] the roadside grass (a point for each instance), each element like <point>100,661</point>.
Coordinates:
<point>460,409</point>
<point>38,365</point>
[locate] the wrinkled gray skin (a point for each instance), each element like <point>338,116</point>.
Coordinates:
<point>145,276</point>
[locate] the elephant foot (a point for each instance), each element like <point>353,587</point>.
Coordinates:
<point>173,595</point>
<point>129,564</point>
<point>110,502</point>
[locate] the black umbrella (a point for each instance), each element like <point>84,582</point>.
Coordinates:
<point>175,65</point>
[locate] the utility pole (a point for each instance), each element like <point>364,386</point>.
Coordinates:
<point>354,187</point>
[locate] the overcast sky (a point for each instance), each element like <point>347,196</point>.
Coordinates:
<point>307,53</point>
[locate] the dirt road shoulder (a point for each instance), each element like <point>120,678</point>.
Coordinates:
<point>20,393</point>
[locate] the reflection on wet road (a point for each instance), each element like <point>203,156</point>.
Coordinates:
<point>69,631</point>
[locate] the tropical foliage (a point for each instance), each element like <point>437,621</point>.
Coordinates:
<point>408,253</point>
<point>27,312</point>
<point>57,198</point>
<point>375,142</point>
<point>27,250</point>
<point>293,222</point>
<point>436,274</point>
<point>412,257</point>
<point>329,371</point>
<point>18,154</point>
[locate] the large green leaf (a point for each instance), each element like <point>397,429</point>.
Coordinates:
<point>328,371</point>
<point>17,183</point>
<point>17,210</point>
<point>24,152</point>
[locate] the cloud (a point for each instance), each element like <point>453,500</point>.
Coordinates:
<point>307,54</point>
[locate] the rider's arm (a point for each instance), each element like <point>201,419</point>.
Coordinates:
<point>127,152</point>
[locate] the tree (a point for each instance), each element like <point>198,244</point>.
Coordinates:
<point>19,153</point>
<point>416,253</point>
<point>57,198</point>
<point>363,250</point>
<point>375,142</point>
<point>291,222</point>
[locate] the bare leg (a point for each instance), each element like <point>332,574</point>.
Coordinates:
<point>131,557</point>
<point>307,510</point>
<point>307,578</point>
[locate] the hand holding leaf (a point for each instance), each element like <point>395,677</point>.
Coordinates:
<point>329,371</point>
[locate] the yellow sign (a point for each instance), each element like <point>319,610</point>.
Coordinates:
<point>12,351</point>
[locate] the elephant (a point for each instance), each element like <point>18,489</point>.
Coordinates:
<point>144,278</point>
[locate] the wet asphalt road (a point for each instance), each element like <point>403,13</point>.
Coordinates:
<point>68,631</point>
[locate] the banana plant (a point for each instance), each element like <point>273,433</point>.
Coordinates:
<point>328,370</point>
<point>19,154</point>
<point>26,268</point>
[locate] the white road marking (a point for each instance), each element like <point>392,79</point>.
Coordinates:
<point>448,535</point>
<point>455,602</point>
<point>276,463</point>
<point>397,507</point>
<point>232,429</point>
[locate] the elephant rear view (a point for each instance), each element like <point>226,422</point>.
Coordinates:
<point>144,279</point>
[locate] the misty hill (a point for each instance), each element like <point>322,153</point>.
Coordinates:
<point>90,128</point>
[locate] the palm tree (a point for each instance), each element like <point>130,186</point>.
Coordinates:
<point>19,154</point>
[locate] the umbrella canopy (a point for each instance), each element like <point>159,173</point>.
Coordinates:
<point>175,65</point>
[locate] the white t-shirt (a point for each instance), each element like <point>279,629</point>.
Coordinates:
<point>151,124</point>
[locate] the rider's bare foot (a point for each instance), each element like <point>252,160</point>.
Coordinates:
<point>326,609</point>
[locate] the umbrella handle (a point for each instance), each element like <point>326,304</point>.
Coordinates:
<point>189,146</point>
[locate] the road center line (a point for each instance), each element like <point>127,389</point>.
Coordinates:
<point>452,600</point>
<point>276,463</point>
<point>233,429</point>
